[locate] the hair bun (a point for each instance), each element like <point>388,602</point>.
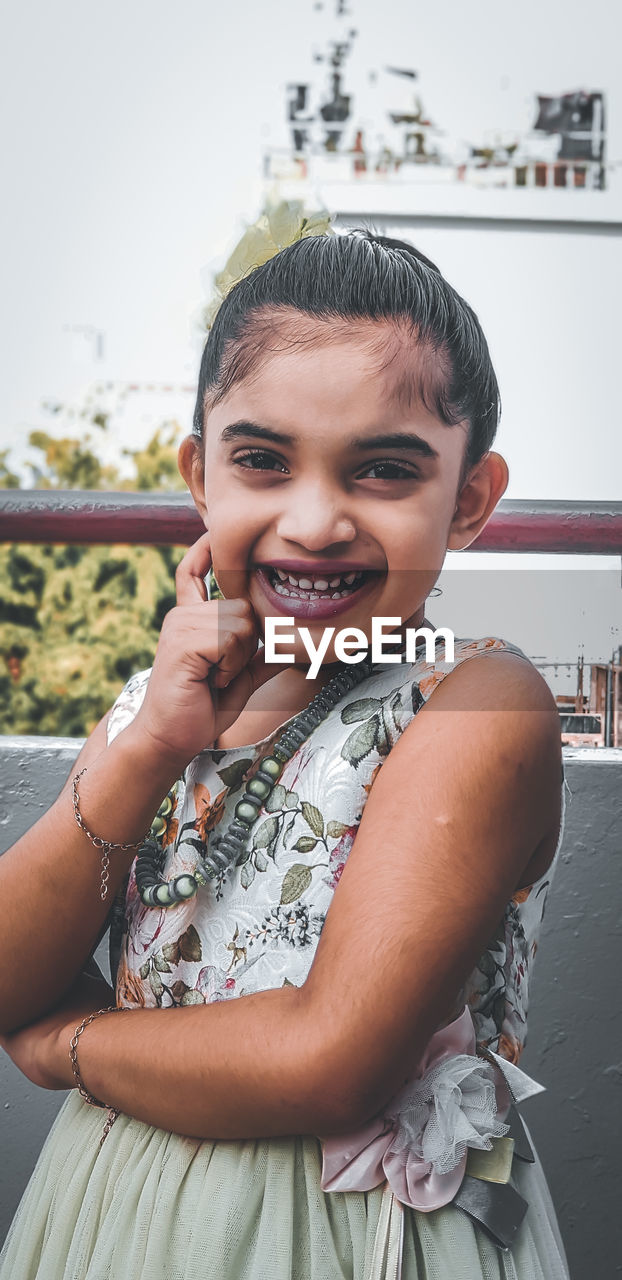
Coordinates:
<point>402,246</point>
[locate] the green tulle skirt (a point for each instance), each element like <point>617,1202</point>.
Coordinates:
<point>150,1205</point>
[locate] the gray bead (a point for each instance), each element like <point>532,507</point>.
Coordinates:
<point>222,857</point>
<point>184,886</point>
<point>232,841</point>
<point>257,787</point>
<point>265,777</point>
<point>247,812</point>
<point>270,766</point>
<point>163,895</point>
<point>145,874</point>
<point>249,798</point>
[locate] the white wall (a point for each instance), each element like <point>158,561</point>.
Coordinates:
<point>549,302</point>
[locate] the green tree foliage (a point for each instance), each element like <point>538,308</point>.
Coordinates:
<point>77,621</point>
<point>68,464</point>
<point>8,478</point>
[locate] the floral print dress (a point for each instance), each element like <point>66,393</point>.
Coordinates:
<point>258,926</point>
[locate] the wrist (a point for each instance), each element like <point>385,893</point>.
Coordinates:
<point>150,756</point>
<point>57,1057</point>
<point>129,755</point>
<point>76,1052</point>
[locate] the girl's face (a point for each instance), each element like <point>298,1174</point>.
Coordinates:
<point>327,498</point>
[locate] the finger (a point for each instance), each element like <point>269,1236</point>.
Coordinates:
<point>237,642</point>
<point>255,673</point>
<point>192,570</point>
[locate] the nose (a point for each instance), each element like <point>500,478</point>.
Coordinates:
<point>316,518</point>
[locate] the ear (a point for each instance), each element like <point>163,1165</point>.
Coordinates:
<point>190,463</point>
<point>484,486</point>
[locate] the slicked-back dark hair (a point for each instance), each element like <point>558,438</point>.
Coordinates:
<point>358,276</point>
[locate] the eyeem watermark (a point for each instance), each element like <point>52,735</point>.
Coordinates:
<point>351,644</point>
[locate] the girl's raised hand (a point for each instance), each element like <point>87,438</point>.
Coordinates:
<point>207,664</point>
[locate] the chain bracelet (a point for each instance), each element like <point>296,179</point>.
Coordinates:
<point>112,1115</point>
<point>73,1054</point>
<point>113,1112</point>
<point>104,845</point>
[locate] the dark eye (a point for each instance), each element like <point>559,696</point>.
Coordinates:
<point>258,460</point>
<point>387,469</point>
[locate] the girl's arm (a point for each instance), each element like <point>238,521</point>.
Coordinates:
<point>458,809</point>
<point>52,912</point>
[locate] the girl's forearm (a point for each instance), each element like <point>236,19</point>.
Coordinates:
<point>52,912</point>
<point>242,1068</point>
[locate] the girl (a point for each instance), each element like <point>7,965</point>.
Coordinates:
<point>301,1092</point>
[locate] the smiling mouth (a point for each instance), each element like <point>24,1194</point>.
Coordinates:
<point>300,586</point>
<point>315,594</point>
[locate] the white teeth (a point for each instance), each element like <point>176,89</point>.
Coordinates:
<point>292,594</point>
<point>307,588</point>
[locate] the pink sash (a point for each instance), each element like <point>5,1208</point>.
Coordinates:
<point>419,1144</point>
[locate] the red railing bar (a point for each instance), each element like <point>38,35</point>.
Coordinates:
<point>555,527</point>
<point>150,519</point>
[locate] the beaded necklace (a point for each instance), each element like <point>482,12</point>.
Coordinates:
<point>227,849</point>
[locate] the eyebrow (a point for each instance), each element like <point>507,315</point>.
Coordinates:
<point>397,440</point>
<point>392,440</point>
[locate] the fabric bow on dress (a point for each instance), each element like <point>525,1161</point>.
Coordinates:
<point>419,1145</point>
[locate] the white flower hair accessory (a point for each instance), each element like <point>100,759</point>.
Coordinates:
<point>280,224</point>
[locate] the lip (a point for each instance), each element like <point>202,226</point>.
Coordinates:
<point>317,566</point>
<point>295,607</point>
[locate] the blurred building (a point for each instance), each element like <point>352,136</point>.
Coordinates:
<point>592,716</point>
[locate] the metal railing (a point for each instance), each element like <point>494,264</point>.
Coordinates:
<point>165,519</point>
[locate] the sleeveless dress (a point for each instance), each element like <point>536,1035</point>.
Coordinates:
<point>151,1205</point>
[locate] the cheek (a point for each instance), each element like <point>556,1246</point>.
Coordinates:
<point>232,538</point>
<point>228,517</point>
<point>407,588</point>
<point>416,539</point>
